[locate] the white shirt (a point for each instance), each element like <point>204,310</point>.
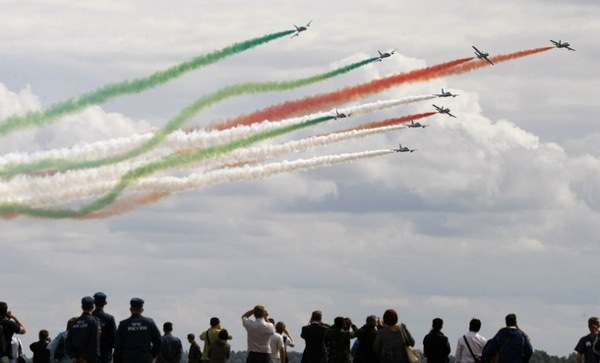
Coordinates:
<point>476,342</point>
<point>276,345</point>
<point>259,334</point>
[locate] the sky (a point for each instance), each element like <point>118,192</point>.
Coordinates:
<point>497,211</point>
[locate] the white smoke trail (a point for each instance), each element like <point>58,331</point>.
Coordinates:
<point>182,140</point>
<point>173,185</point>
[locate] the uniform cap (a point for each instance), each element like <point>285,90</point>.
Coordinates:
<point>87,302</point>
<point>99,298</point>
<point>136,302</point>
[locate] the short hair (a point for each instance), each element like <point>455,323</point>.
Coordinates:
<point>280,327</point>
<point>168,326</point>
<point>191,336</point>
<point>371,320</point>
<point>316,315</point>
<point>390,317</point>
<point>594,321</point>
<point>511,320</point>
<point>223,334</point>
<point>259,311</point>
<point>437,324</point>
<point>3,308</point>
<point>338,322</point>
<point>43,334</point>
<point>214,321</point>
<point>475,325</point>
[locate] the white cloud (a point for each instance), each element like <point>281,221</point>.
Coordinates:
<point>495,212</point>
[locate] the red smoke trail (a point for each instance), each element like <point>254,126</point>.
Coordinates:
<point>315,103</point>
<point>463,68</point>
<point>125,205</point>
<point>390,122</point>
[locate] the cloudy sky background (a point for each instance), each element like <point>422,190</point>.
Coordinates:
<point>496,212</point>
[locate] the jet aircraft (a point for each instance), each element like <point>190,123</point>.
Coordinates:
<point>385,54</point>
<point>403,149</point>
<point>413,124</point>
<point>300,29</point>
<point>446,94</point>
<point>483,56</point>
<point>443,110</point>
<point>560,44</point>
<point>340,115</point>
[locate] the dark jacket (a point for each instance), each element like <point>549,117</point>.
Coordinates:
<point>138,340</point>
<point>436,347</point>
<point>513,345</point>
<point>314,337</point>
<point>365,337</point>
<point>107,336</point>
<point>83,338</point>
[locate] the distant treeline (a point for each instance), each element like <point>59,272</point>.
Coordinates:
<point>295,357</point>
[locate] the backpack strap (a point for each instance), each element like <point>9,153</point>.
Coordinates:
<point>470,350</point>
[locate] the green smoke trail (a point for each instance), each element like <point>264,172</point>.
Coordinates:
<point>176,122</point>
<point>113,90</point>
<point>167,162</point>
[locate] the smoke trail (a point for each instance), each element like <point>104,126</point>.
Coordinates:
<point>391,121</point>
<point>183,141</point>
<point>160,187</point>
<point>348,94</point>
<point>467,67</point>
<point>176,122</point>
<point>84,184</point>
<point>145,170</point>
<point>105,93</point>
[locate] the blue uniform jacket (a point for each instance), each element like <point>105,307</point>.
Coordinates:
<point>138,340</point>
<point>83,338</point>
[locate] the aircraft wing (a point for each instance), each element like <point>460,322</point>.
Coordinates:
<point>476,50</point>
<point>489,61</point>
<point>569,48</point>
<point>451,115</point>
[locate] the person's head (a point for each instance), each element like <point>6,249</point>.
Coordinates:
<point>214,322</point>
<point>390,317</point>
<point>3,308</point>
<point>136,305</point>
<point>223,334</point>
<point>99,299</point>
<point>168,327</point>
<point>338,322</point>
<point>191,337</point>
<point>87,303</point>
<point>511,320</point>
<point>260,312</point>
<point>43,335</point>
<point>593,324</point>
<point>475,325</point>
<point>280,327</point>
<point>371,320</point>
<point>316,316</point>
<point>71,322</point>
<point>437,324</point>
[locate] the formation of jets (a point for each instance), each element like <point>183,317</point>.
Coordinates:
<point>560,44</point>
<point>300,29</point>
<point>440,109</point>
<point>446,94</point>
<point>385,54</point>
<point>483,56</point>
<point>443,110</point>
<point>403,149</point>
